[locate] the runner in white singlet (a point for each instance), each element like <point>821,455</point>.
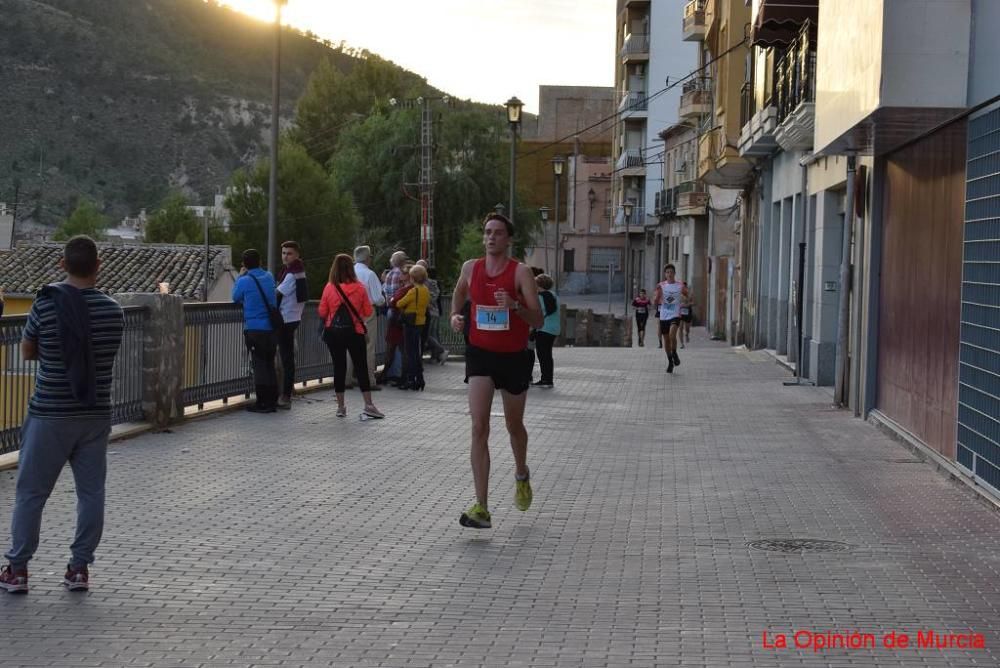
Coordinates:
<point>669,295</point>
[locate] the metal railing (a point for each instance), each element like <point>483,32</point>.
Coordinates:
<point>796,74</point>
<point>694,15</point>
<point>216,362</point>
<point>17,376</point>
<point>635,44</point>
<point>630,157</point>
<point>633,101</point>
<point>747,103</point>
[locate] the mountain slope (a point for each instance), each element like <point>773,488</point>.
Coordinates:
<point>121,100</point>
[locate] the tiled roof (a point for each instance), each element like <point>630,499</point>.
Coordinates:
<point>124,267</point>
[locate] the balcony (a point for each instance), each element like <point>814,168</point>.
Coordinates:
<point>635,49</point>
<point>635,223</point>
<point>694,21</point>
<point>758,125</point>
<point>691,200</point>
<point>719,162</point>
<point>696,99</point>
<point>664,203</point>
<point>633,104</point>
<point>795,92</point>
<point>631,163</point>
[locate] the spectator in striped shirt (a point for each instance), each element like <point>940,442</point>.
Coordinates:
<point>74,332</point>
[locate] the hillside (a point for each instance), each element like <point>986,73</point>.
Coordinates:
<point>122,100</point>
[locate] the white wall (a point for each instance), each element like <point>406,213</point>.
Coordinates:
<point>848,66</point>
<point>669,57</point>
<point>984,73</point>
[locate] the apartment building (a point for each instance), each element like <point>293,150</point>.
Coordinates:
<point>651,60</point>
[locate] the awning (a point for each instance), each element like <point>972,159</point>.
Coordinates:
<point>778,21</point>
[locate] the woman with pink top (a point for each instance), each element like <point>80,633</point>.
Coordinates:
<point>344,307</point>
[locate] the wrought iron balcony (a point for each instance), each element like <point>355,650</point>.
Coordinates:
<point>694,21</point>
<point>630,159</point>
<point>795,92</point>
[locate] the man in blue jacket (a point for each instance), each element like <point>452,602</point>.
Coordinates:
<point>255,290</point>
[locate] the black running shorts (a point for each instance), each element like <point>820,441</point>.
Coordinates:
<point>666,324</point>
<point>509,371</point>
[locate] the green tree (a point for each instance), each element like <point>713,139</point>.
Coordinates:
<point>312,210</point>
<point>85,219</point>
<point>173,223</point>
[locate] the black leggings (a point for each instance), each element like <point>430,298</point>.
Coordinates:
<point>543,348</point>
<point>341,344</point>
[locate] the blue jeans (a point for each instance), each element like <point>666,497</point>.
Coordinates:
<point>46,446</point>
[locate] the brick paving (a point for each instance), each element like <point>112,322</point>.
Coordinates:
<point>303,540</point>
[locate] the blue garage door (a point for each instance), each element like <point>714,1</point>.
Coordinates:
<point>979,371</point>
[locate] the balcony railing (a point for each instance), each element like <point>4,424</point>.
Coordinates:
<point>633,101</point>
<point>696,98</point>
<point>694,21</point>
<point>634,45</point>
<point>796,74</point>
<point>684,199</point>
<point>630,158</point>
<point>746,103</point>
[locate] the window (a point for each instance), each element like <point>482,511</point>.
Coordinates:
<point>600,258</point>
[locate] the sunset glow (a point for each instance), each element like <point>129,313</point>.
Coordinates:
<point>486,51</point>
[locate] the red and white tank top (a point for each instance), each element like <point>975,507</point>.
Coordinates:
<point>492,328</point>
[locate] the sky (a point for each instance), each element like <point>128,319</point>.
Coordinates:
<point>484,50</point>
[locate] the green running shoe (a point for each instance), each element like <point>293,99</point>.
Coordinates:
<point>522,494</point>
<point>476,517</point>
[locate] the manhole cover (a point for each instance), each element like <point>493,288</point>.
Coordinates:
<point>797,545</point>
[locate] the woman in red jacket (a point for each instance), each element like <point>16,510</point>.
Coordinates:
<point>344,307</point>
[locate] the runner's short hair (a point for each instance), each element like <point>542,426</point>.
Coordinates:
<point>80,255</point>
<point>294,245</point>
<point>502,218</point>
<point>669,266</point>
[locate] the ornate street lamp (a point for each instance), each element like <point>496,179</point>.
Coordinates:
<point>514,107</point>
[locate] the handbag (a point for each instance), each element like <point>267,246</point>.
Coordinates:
<point>345,301</point>
<point>273,314</point>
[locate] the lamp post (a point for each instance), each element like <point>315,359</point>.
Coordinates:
<point>499,208</point>
<point>627,210</point>
<point>272,189</point>
<point>514,107</point>
<point>558,162</point>
<point>591,200</point>
<point>543,213</point>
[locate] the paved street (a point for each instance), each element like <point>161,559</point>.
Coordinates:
<point>300,539</point>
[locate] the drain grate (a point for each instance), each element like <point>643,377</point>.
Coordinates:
<point>798,545</point>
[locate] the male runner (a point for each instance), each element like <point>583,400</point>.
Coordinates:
<point>503,300</point>
<point>669,294</point>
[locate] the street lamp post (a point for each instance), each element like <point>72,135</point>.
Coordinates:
<point>514,107</point>
<point>627,210</point>
<point>558,162</point>
<point>543,213</point>
<point>272,189</point>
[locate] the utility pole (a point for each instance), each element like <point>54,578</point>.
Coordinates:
<point>272,190</point>
<point>426,182</point>
<point>13,212</point>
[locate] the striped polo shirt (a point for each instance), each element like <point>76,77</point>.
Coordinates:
<point>53,397</point>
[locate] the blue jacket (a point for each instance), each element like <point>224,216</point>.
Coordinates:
<point>245,292</point>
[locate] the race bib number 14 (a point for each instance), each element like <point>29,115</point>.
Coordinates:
<point>492,318</point>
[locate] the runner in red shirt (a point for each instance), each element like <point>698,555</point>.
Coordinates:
<point>503,307</point>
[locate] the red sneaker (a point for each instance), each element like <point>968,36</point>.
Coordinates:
<point>77,578</point>
<point>14,580</point>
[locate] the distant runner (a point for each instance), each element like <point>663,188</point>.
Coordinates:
<point>503,305</point>
<point>641,305</point>
<point>669,294</point>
